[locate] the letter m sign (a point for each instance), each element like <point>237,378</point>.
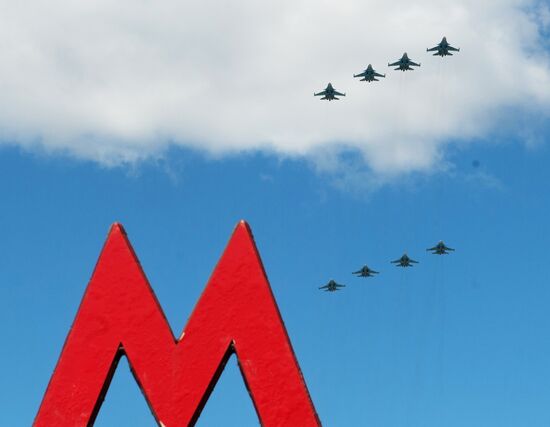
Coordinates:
<point>120,315</point>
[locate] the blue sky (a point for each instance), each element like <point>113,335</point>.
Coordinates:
<point>460,340</point>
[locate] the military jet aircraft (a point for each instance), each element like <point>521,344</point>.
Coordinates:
<point>329,93</point>
<point>443,48</point>
<point>332,286</point>
<point>440,249</point>
<point>365,272</point>
<point>404,63</point>
<point>404,261</point>
<point>369,74</point>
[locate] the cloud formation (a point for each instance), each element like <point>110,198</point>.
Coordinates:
<point>121,81</point>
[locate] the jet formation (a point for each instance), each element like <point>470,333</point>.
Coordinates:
<point>404,261</point>
<point>443,48</point>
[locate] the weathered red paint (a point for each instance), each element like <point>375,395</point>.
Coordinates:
<point>120,314</point>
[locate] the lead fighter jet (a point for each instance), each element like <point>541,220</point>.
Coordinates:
<point>332,286</point>
<point>404,63</point>
<point>440,249</point>
<point>329,93</point>
<point>404,261</point>
<point>443,48</point>
<point>369,74</point>
<point>365,272</point>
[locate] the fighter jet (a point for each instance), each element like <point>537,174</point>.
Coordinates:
<point>365,272</point>
<point>332,286</point>
<point>404,261</point>
<point>369,75</point>
<point>443,48</point>
<point>329,93</point>
<point>404,63</point>
<point>440,249</point>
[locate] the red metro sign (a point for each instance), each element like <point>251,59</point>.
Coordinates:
<point>120,315</point>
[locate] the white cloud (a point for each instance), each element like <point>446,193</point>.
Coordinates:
<point>121,81</point>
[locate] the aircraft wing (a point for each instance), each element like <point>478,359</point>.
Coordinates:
<point>433,49</point>
<point>435,248</point>
<point>363,74</point>
<point>339,93</point>
<point>323,287</point>
<point>394,64</point>
<point>413,261</point>
<point>357,272</point>
<point>449,249</point>
<point>323,92</point>
<point>414,64</point>
<point>397,261</point>
<point>454,49</point>
<point>379,75</point>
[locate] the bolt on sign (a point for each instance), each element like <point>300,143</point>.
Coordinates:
<point>120,315</point>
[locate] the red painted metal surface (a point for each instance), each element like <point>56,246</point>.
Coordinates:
<point>120,315</point>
